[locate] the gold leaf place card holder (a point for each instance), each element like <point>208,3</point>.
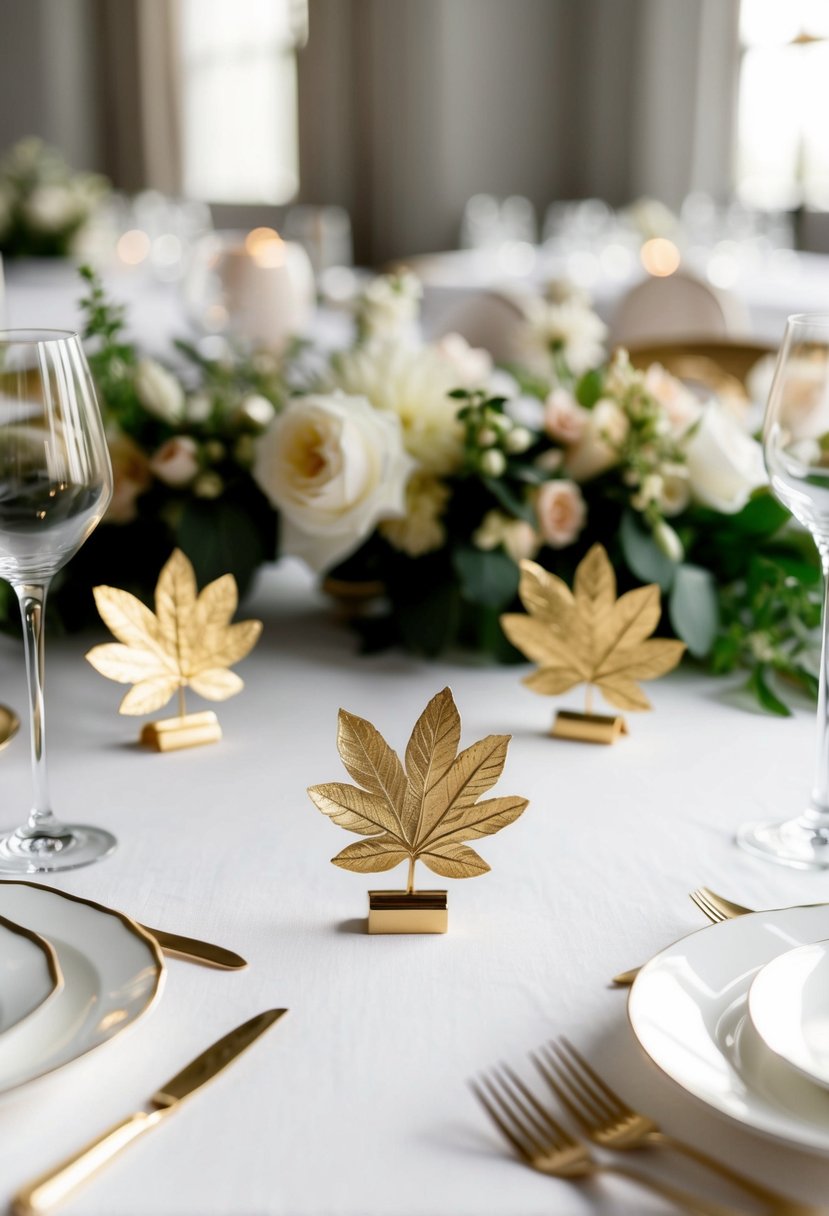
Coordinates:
<point>187,642</point>
<point>423,811</point>
<point>588,636</point>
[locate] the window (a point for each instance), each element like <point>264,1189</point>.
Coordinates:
<point>783,133</point>
<point>239,99</point>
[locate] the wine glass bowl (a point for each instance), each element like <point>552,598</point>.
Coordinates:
<point>55,486</point>
<point>796,450</point>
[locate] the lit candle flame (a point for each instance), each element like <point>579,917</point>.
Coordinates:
<point>265,246</point>
<point>660,257</point>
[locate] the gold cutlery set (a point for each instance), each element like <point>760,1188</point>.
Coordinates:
<point>536,1133</point>
<point>57,1183</point>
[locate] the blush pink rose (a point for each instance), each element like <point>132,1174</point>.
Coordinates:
<point>564,419</point>
<point>176,461</point>
<point>561,511</point>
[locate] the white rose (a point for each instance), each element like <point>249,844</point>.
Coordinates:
<point>176,461</point>
<point>334,467</point>
<point>561,511</point>
<point>724,463</point>
<point>159,391</point>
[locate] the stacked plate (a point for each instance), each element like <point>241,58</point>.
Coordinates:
<point>73,974</point>
<point>738,1015</point>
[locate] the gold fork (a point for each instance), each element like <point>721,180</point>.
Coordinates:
<point>713,908</point>
<point>606,1119</point>
<point>540,1141</point>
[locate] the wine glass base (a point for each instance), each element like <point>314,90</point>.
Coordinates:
<point>789,842</point>
<point>66,848</point>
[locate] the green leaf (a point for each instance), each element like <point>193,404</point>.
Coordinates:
<point>766,697</point>
<point>799,568</point>
<point>487,576</point>
<point>694,608</point>
<point>643,555</point>
<point>589,388</point>
<point>762,516</point>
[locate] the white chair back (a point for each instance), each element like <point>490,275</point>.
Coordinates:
<point>677,306</point>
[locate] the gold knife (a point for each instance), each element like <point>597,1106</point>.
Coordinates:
<point>57,1184</point>
<point>197,951</point>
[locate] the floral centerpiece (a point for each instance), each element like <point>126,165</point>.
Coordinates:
<point>424,470</point>
<point>43,204</point>
<point>424,474</point>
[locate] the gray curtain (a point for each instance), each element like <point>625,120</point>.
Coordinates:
<point>141,110</point>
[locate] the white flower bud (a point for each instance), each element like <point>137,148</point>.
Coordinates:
<point>668,541</point>
<point>487,437</point>
<point>493,462</point>
<point>518,439</point>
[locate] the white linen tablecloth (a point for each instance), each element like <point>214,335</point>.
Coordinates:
<point>356,1104</point>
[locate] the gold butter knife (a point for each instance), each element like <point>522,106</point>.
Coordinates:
<point>197,951</point>
<point>57,1184</point>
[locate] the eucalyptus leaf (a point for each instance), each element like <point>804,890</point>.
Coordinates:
<point>694,609</point>
<point>643,555</point>
<point>488,576</point>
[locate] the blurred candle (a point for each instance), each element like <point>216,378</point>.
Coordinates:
<point>267,287</point>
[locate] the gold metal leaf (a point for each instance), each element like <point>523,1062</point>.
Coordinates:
<point>454,861</point>
<point>371,856</point>
<point>426,810</point>
<point>187,642</point>
<point>593,638</point>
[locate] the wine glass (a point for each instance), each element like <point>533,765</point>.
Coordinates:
<point>55,485</point>
<point>796,447</point>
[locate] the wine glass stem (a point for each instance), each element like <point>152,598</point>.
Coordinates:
<point>818,814</point>
<point>32,598</point>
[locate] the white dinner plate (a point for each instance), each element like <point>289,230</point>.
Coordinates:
<point>689,1009</point>
<point>112,969</point>
<point>788,1002</point>
<point>29,973</point>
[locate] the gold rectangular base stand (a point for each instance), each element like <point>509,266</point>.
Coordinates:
<point>405,912</point>
<point>171,734</point>
<point>588,728</point>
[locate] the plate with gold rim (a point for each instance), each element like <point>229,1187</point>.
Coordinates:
<point>788,1002</point>
<point>29,973</point>
<point>113,973</point>
<point>688,1008</point>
